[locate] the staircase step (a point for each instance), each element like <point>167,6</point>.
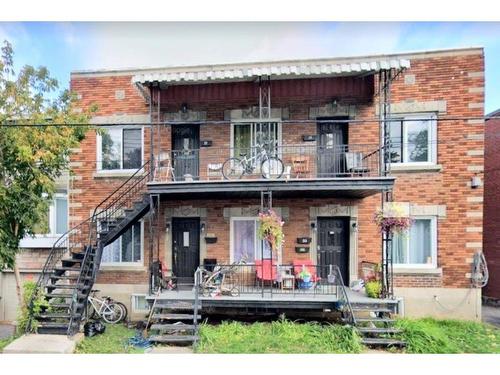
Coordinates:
<point>71,262</point>
<point>378,330</point>
<point>381,341</point>
<point>375,320</point>
<point>61,286</point>
<point>52,315</point>
<point>372,309</point>
<point>176,305</point>
<point>175,316</point>
<point>172,327</point>
<point>173,338</point>
<point>77,269</point>
<point>60,305</point>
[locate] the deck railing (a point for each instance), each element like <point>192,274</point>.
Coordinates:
<point>267,279</point>
<point>269,161</point>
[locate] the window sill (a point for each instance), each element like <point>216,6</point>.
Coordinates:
<point>39,241</point>
<point>418,271</point>
<point>124,267</point>
<point>114,173</point>
<point>396,168</point>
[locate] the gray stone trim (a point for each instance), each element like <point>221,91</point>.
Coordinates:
<point>120,119</point>
<point>473,90</point>
<point>476,105</point>
<point>252,211</point>
<point>475,74</point>
<point>252,113</point>
<point>332,110</point>
<point>185,211</point>
<point>187,116</point>
<point>333,210</point>
<point>475,137</point>
<point>411,106</point>
<point>413,209</point>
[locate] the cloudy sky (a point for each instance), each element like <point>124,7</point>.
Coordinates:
<point>64,47</point>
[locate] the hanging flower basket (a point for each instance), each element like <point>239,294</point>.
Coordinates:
<point>271,229</point>
<point>392,220</point>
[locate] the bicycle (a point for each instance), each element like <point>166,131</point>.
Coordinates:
<point>271,166</point>
<point>107,309</point>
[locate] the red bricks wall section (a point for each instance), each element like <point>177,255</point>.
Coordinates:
<point>454,77</point>
<point>492,206</point>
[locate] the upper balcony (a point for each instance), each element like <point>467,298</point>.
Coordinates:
<point>289,171</point>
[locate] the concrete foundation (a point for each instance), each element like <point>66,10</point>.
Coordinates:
<point>443,303</point>
<point>46,344</point>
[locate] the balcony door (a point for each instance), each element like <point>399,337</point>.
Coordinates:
<point>185,151</point>
<point>332,138</point>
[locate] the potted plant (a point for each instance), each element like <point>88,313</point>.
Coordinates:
<point>392,219</point>
<point>305,278</point>
<point>271,229</point>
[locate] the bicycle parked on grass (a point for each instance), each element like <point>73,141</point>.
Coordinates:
<point>271,166</point>
<point>110,311</point>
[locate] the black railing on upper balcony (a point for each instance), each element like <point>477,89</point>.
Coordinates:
<point>268,162</point>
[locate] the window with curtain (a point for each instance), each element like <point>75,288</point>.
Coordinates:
<point>126,249</point>
<point>413,139</point>
<point>247,136</point>
<point>245,241</point>
<point>55,222</point>
<point>120,149</point>
<point>418,246</point>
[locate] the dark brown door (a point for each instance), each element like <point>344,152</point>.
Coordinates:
<point>185,247</point>
<point>185,151</point>
<point>333,245</point>
<point>332,141</point>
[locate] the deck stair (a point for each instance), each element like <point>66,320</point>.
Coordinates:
<point>73,263</point>
<point>375,323</point>
<point>174,322</point>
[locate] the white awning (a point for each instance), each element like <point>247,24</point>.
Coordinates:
<point>279,70</point>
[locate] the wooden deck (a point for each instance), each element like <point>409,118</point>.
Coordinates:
<point>268,300</point>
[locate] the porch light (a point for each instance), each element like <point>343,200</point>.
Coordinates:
<point>313,225</point>
<point>184,107</point>
<point>354,227</point>
<point>202,227</point>
<point>167,227</point>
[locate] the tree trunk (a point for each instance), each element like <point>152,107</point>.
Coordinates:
<point>19,289</point>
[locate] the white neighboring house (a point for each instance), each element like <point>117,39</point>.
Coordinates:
<point>34,251</point>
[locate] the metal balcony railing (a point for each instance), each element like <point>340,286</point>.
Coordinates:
<point>268,162</point>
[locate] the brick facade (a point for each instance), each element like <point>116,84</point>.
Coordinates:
<point>455,78</point>
<point>491,205</point>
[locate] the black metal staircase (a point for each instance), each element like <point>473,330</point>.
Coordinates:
<point>73,263</point>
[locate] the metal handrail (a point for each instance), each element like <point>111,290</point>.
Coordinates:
<point>346,296</point>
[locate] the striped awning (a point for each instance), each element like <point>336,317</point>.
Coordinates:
<point>280,70</point>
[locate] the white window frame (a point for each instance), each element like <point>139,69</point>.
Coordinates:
<point>254,121</point>
<point>406,236</point>
<point>231,235</point>
<point>133,302</point>
<point>431,143</point>
<point>99,149</point>
<point>53,214</point>
<point>128,264</point>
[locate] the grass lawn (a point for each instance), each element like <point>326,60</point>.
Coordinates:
<point>421,335</point>
<point>6,341</point>
<point>278,337</point>
<point>113,340</point>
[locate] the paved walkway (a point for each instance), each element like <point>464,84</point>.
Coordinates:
<point>41,344</point>
<point>491,315</point>
<point>6,330</point>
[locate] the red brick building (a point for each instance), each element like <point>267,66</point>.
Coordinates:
<point>320,118</point>
<point>491,240</point>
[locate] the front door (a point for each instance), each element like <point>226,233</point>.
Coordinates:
<point>185,247</point>
<point>333,245</point>
<point>185,151</point>
<point>332,141</point>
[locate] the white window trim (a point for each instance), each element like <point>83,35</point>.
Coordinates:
<point>254,120</point>
<point>432,142</point>
<point>133,303</point>
<point>432,265</point>
<point>99,150</point>
<point>231,237</point>
<point>128,264</point>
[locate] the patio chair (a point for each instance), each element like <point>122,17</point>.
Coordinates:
<point>164,170</point>
<point>266,271</point>
<point>301,166</point>
<point>214,170</point>
<point>356,163</point>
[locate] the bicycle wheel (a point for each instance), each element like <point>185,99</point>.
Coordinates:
<point>272,168</point>
<point>125,311</point>
<point>233,169</point>
<point>112,313</point>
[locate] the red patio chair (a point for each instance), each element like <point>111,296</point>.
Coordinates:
<point>266,270</point>
<point>298,264</point>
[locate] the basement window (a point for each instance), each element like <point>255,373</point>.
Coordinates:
<point>139,303</point>
<point>126,249</point>
<point>119,149</point>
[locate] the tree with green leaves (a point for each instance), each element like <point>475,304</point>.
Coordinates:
<point>32,154</point>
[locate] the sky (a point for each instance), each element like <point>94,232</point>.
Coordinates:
<point>64,47</point>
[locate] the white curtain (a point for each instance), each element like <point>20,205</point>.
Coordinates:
<point>420,238</point>
<point>244,240</point>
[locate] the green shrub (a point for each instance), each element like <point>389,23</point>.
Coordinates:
<point>373,288</point>
<point>39,304</point>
